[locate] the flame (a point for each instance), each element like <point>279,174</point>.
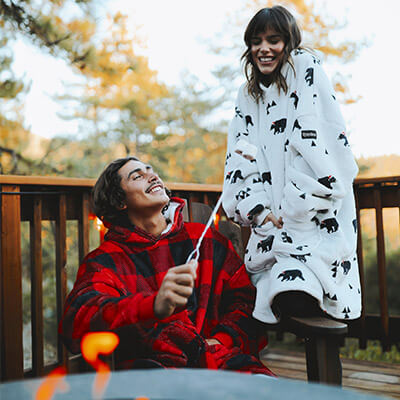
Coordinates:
<point>52,383</point>
<point>216,220</point>
<point>92,345</point>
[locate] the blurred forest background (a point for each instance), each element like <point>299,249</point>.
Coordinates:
<point>123,108</point>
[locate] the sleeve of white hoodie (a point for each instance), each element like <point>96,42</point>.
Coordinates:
<point>322,167</point>
<point>245,198</point>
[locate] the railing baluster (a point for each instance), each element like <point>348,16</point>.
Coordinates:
<point>37,287</point>
<point>61,274</point>
<point>12,359</point>
<point>380,240</point>
<point>83,227</point>
<point>362,340</point>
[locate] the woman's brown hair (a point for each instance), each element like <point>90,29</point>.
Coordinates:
<point>281,21</point>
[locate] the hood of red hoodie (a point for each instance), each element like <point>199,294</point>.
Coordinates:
<point>133,234</point>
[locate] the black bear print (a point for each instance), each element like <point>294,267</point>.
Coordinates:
<point>343,136</point>
<point>298,51</point>
<point>286,238</point>
<point>313,144</point>
<point>300,248</point>
<point>291,275</point>
<point>266,244</point>
<point>333,97</point>
<point>257,180</point>
<point>269,105</point>
<point>303,196</point>
<point>248,121</point>
<point>296,125</point>
<point>330,224</point>
<point>237,211</point>
<point>294,96</point>
<point>278,126</point>
<point>238,113</point>
<point>254,211</point>
<point>246,251</point>
<point>326,152</point>
<point>309,134</point>
<point>237,175</point>
<point>286,144</point>
<point>327,181</point>
<point>346,265</point>
<point>243,194</point>
<point>228,156</point>
<point>334,270</point>
<point>354,225</point>
<point>300,257</point>
<point>228,175</point>
<point>266,177</point>
<point>309,76</point>
<point>314,98</point>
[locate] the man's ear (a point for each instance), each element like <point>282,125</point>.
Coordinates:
<point>122,207</point>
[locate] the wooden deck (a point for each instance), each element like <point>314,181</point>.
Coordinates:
<point>382,379</point>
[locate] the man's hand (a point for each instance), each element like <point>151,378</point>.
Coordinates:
<point>175,289</point>
<point>277,222</point>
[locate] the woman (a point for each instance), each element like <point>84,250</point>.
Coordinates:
<point>289,173</point>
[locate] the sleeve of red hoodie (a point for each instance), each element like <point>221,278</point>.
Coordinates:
<point>100,302</point>
<point>236,326</point>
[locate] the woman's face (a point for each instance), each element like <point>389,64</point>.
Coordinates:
<point>267,50</point>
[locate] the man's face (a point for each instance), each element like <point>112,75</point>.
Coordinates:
<point>144,190</point>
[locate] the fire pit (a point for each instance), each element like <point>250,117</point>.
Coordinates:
<point>179,384</point>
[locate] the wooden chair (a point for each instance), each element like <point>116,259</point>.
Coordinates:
<point>322,336</point>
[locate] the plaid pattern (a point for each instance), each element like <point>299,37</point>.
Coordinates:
<point>117,283</point>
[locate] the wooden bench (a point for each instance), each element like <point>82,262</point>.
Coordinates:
<point>322,336</point>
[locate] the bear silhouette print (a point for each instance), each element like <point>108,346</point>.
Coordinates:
<point>254,211</point>
<point>291,275</point>
<point>327,180</point>
<point>237,175</point>
<point>279,126</point>
<point>330,224</point>
<point>266,244</point>
<point>309,76</point>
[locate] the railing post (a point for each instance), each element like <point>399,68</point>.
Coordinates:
<point>12,360</point>
<point>380,241</point>
<point>61,273</point>
<point>360,257</point>
<point>37,288</point>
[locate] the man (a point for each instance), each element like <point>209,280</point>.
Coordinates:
<point>167,313</point>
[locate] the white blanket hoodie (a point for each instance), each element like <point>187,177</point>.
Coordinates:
<point>289,154</point>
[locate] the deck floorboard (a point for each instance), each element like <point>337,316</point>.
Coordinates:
<point>381,379</point>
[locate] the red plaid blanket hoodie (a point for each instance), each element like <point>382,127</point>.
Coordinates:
<point>115,290</point>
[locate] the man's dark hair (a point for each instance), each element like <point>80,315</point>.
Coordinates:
<point>108,196</point>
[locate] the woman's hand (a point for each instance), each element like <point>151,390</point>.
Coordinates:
<point>277,222</point>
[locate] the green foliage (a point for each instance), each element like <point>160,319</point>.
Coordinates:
<point>373,352</point>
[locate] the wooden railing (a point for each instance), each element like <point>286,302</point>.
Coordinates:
<point>38,199</point>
